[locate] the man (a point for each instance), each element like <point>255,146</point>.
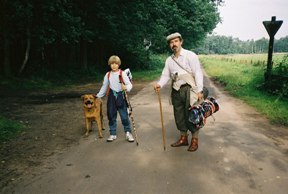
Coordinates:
<point>183,67</point>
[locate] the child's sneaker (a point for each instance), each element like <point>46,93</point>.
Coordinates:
<point>111,138</point>
<point>129,137</point>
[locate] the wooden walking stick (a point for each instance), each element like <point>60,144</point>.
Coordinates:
<point>162,122</point>
<point>132,118</point>
<point>130,112</point>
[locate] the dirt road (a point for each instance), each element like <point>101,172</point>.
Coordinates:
<point>240,152</point>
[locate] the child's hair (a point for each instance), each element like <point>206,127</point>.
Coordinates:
<point>114,59</point>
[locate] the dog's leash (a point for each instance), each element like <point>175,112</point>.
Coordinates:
<point>130,111</point>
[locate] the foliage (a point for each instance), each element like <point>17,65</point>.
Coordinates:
<point>45,80</point>
<point>156,65</point>
<point>215,44</point>
<point>68,34</point>
<point>280,74</point>
<point>8,128</point>
<point>281,68</point>
<point>243,80</point>
<point>281,45</point>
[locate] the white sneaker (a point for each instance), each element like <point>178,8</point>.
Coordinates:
<point>111,138</point>
<point>129,137</point>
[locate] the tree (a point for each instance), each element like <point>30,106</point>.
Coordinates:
<point>281,45</point>
<point>215,44</point>
<point>15,17</point>
<point>67,34</point>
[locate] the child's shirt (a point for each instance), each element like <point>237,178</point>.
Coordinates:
<point>114,82</point>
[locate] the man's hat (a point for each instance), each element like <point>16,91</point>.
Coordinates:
<point>173,36</point>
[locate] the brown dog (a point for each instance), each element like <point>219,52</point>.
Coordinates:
<point>93,111</point>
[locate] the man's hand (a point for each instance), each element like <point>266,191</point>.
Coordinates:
<point>157,88</point>
<point>200,96</point>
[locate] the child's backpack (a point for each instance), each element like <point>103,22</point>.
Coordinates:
<point>129,74</point>
<point>127,71</point>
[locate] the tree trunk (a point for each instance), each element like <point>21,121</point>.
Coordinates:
<point>84,54</point>
<point>7,65</point>
<point>101,54</point>
<point>27,52</point>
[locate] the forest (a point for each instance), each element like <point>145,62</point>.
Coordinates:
<point>60,35</point>
<point>215,44</point>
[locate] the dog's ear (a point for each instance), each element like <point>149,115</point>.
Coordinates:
<point>82,97</point>
<point>94,95</point>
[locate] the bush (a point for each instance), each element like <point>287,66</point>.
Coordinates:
<point>8,128</point>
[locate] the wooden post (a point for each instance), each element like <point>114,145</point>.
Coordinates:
<point>272,27</point>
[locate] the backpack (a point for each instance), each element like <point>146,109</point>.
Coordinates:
<point>129,74</point>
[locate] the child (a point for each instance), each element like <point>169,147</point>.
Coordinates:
<point>114,84</point>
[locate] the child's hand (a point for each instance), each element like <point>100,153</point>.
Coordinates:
<point>124,87</point>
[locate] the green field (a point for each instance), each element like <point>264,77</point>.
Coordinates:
<point>243,77</point>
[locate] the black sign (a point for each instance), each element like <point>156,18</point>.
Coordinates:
<point>272,26</point>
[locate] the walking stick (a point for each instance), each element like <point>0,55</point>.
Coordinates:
<point>130,112</point>
<point>162,122</point>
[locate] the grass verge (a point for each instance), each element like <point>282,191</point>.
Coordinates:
<point>243,80</point>
<point>8,128</point>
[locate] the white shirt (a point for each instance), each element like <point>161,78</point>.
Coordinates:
<point>187,59</point>
<point>114,82</point>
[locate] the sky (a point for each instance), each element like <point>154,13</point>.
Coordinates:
<point>243,18</point>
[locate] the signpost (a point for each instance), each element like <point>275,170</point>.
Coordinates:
<point>272,27</point>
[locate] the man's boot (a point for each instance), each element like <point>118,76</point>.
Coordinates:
<point>194,145</point>
<point>183,141</point>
